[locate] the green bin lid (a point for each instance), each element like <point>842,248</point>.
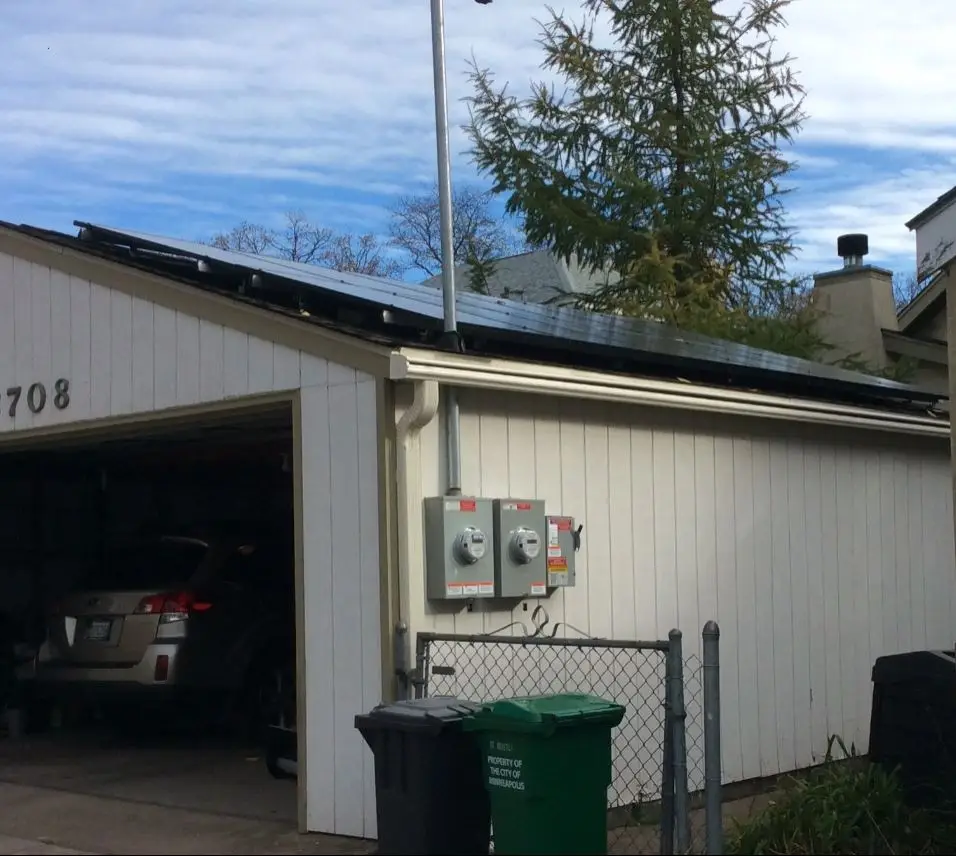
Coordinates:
<point>546,713</point>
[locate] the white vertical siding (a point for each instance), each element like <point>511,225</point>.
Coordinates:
<point>817,550</point>
<point>934,239</point>
<point>123,356</point>
<point>339,466</point>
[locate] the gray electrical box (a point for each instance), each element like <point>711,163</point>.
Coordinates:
<point>560,551</point>
<point>520,567</point>
<point>459,547</point>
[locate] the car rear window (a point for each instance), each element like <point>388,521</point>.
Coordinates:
<point>154,564</point>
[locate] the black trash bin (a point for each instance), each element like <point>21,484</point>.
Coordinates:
<point>913,717</point>
<point>429,790</point>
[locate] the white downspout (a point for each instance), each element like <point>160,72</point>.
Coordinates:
<point>420,412</point>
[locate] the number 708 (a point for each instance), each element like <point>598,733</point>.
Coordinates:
<point>36,397</point>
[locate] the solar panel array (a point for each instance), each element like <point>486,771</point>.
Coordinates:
<point>551,325</point>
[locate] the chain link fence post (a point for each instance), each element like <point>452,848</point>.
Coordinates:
<point>420,678</point>
<point>712,751</point>
<point>667,773</point>
<point>679,716</point>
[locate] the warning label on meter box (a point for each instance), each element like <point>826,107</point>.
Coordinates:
<point>503,771</point>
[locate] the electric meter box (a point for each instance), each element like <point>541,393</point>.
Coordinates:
<point>520,567</point>
<point>459,548</point>
<point>560,551</point>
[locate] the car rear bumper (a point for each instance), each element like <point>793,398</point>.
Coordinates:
<point>109,694</point>
<point>155,672</point>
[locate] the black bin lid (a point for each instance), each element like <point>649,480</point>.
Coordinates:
<point>433,715</point>
<point>916,666</point>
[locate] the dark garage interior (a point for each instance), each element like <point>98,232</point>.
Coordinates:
<point>147,584</point>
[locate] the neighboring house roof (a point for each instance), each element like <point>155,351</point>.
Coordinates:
<point>532,277</point>
<point>942,202</point>
<point>402,313</point>
<point>537,276</point>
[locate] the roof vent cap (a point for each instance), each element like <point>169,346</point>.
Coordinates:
<point>852,248</point>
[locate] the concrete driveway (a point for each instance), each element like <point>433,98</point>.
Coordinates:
<point>93,792</point>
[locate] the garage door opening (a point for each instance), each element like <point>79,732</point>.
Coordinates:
<point>147,582</point>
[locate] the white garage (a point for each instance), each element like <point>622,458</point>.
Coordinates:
<point>808,510</point>
<point>118,351</point>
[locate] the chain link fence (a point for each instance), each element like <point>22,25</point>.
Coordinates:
<point>658,756</point>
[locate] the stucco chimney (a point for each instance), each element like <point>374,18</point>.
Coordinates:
<point>855,304</point>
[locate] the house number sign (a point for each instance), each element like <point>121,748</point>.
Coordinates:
<point>36,397</point>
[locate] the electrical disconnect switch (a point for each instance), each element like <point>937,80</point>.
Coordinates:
<point>520,568</point>
<point>458,564</point>
<point>562,545</point>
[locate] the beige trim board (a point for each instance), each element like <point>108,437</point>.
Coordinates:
<point>271,326</point>
<point>388,534</point>
<point>301,700</point>
<point>142,424</point>
<point>917,349</point>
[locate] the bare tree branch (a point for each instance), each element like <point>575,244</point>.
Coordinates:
<point>905,288</point>
<point>361,254</point>
<point>478,233</point>
<point>301,240</point>
<point>245,238</point>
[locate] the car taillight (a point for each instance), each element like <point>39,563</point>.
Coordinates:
<point>171,607</point>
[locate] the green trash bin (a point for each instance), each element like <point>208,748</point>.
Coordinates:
<point>547,768</point>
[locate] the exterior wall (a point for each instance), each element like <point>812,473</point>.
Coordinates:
<point>124,356</point>
<point>816,550</point>
<point>936,239</point>
<point>931,326</point>
<point>934,378</point>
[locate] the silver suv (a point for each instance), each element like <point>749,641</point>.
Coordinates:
<point>179,618</point>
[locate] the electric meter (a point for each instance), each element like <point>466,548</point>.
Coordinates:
<point>520,568</point>
<point>470,545</point>
<point>525,545</point>
<point>459,563</point>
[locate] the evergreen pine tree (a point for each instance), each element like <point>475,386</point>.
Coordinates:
<point>660,156</point>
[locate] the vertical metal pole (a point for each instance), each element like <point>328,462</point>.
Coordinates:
<point>444,166</point>
<point>681,796</point>
<point>667,775</point>
<point>712,751</point>
<point>452,414</point>
<point>403,677</point>
<point>421,667</point>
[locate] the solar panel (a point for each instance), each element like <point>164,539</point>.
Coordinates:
<point>649,338</point>
<point>554,326</point>
<point>387,293</point>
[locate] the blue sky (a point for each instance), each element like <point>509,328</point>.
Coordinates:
<point>182,117</point>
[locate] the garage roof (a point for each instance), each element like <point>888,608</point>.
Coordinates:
<point>401,313</point>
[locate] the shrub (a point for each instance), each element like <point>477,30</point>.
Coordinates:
<point>845,808</point>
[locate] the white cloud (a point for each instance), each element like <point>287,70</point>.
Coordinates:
<point>333,95</point>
